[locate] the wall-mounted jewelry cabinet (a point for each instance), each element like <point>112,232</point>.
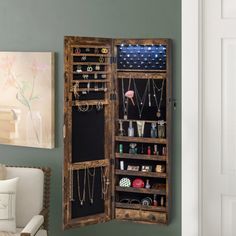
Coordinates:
<point>117,130</point>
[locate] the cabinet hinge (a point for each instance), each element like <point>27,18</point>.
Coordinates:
<point>112,161</point>
<point>112,198</point>
<point>113,60</point>
<point>173,101</point>
<point>112,96</point>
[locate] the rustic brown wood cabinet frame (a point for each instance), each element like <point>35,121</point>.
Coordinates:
<point>96,66</point>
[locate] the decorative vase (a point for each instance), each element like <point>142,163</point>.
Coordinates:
<point>34,128</point>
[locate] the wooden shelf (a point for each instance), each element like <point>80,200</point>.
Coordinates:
<point>90,90</point>
<point>146,121</point>
<point>141,173</point>
<point>89,102</point>
<point>145,71</point>
<point>89,164</point>
<point>91,63</point>
<point>91,46</point>
<point>140,207</point>
<point>90,55</point>
<point>140,157</point>
<point>141,75</point>
<point>140,140</point>
<point>91,81</point>
<point>91,72</point>
<point>140,190</point>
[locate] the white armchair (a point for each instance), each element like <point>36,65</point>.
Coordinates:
<point>32,202</point>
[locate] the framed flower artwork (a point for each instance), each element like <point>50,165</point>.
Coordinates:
<point>27,99</point>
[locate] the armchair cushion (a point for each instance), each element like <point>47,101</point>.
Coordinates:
<point>30,192</point>
<point>2,172</point>
<point>8,205</point>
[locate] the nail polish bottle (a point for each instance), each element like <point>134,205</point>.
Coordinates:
<point>155,200</point>
<point>121,148</point>
<point>153,130</point>
<point>147,184</point>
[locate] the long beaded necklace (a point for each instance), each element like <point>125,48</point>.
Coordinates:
<point>158,105</point>
<point>81,198</point>
<point>91,188</point>
<point>140,101</point>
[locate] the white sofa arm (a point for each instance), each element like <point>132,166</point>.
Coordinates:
<point>33,226</point>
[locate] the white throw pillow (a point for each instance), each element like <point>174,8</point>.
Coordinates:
<point>8,205</point>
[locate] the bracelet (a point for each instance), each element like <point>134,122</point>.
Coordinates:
<point>77,50</point>
<point>101,59</point>
<point>104,50</point>
<point>89,68</point>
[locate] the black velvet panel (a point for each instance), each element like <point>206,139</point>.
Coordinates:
<point>87,208</point>
<point>140,57</point>
<point>148,113</point>
<point>87,135</point>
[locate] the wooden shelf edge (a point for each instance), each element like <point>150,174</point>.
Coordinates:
<point>141,75</point>
<point>140,157</point>
<point>90,55</point>
<point>140,173</point>
<point>90,164</point>
<point>146,121</point>
<point>140,190</point>
<point>140,207</point>
<point>140,140</point>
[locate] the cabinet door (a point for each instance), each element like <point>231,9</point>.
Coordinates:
<point>87,131</point>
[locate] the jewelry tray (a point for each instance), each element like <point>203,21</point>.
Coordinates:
<point>103,78</point>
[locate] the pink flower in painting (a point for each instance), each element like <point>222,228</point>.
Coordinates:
<point>6,65</point>
<point>38,67</point>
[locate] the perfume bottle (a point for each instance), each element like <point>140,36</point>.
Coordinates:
<point>122,166</point>
<point>121,130</point>
<point>133,148</point>
<point>155,152</point>
<point>131,130</point>
<point>147,184</point>
<point>149,150</point>
<point>161,129</point>
<point>162,201</point>
<point>153,130</point>
<point>155,200</point>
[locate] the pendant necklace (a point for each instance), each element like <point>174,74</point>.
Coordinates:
<point>158,105</point>
<point>91,188</point>
<point>125,99</point>
<point>81,199</point>
<point>149,94</point>
<point>104,181</point>
<point>140,101</point>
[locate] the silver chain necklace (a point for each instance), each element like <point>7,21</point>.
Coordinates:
<point>140,101</point>
<point>91,188</point>
<point>104,181</point>
<point>81,199</point>
<point>158,105</point>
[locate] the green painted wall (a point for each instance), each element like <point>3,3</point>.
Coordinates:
<point>40,25</point>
